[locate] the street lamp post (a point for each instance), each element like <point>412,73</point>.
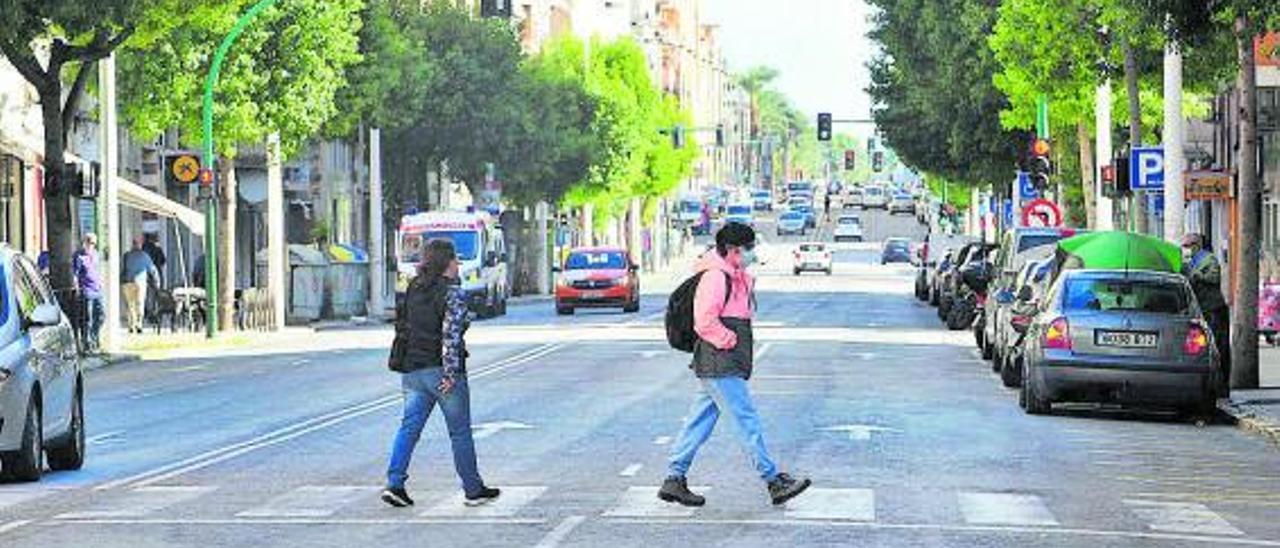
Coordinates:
<point>211,206</point>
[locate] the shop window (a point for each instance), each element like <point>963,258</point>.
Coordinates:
<point>11,200</point>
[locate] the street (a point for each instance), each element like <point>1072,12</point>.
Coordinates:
<point>909,439</point>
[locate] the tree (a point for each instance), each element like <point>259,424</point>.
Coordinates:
<point>47,42</point>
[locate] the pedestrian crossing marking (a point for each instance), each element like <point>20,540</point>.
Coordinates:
<point>833,504</point>
<point>1182,517</point>
<point>141,502</point>
<point>1005,509</point>
<point>512,500</point>
<point>642,502</point>
<point>310,501</point>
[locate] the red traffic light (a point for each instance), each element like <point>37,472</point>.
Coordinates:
<point>1040,147</point>
<point>206,176</point>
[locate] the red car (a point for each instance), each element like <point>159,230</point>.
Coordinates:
<point>597,277</point>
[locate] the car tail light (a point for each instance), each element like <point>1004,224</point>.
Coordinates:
<point>1058,335</point>
<point>1197,340</point>
<point>1020,322</point>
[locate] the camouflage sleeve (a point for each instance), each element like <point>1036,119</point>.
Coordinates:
<point>1209,271</point>
<point>455,323</point>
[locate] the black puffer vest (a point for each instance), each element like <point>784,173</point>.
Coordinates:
<point>425,303</point>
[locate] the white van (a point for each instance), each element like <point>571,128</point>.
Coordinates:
<point>482,254</point>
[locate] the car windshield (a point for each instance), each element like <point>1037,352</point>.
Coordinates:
<point>1131,295</point>
<point>849,221</point>
<point>1028,241</point>
<point>808,248</point>
<point>896,244</point>
<point>602,260</point>
<point>792,216</point>
<point>739,210</point>
<point>761,194</point>
<point>875,191</point>
<point>465,242</point>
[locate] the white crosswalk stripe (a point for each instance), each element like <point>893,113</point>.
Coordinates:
<point>642,502</point>
<point>513,500</point>
<point>834,504</point>
<point>311,501</point>
<point>140,502</point>
<point>1005,509</point>
<point>1182,517</point>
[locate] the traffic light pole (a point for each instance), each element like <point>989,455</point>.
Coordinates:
<point>211,205</point>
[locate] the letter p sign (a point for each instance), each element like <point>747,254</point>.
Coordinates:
<point>1146,168</point>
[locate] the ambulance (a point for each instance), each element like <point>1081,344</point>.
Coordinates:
<point>482,254</point>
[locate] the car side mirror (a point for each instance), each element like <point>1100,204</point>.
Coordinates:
<point>45,315</point>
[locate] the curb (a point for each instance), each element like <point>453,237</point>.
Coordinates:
<point>93,363</point>
<point>1251,421</point>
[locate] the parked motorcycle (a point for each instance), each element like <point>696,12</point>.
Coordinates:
<point>965,307</point>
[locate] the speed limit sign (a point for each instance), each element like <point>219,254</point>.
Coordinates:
<point>1041,213</point>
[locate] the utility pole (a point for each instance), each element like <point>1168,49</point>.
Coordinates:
<point>1244,305</point>
<point>377,249</point>
<point>109,244</point>
<point>1102,121</point>
<point>276,253</point>
<point>1174,161</point>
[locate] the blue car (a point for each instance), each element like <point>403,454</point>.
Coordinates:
<point>792,222</point>
<point>810,217</point>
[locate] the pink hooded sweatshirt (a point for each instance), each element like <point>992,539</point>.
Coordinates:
<point>709,304</point>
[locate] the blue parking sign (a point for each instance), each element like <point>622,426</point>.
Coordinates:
<point>1026,191</point>
<point>1146,168</point>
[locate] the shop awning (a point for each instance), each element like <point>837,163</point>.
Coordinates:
<point>137,197</point>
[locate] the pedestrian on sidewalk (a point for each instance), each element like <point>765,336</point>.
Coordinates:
<point>1203,271</point>
<point>86,265</point>
<point>431,321</point>
<point>136,273</point>
<point>722,362</point>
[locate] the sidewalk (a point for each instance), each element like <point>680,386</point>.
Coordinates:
<point>1259,410</point>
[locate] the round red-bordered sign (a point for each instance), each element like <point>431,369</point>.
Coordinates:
<point>1041,213</point>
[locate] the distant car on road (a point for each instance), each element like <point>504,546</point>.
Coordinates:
<point>1123,336</point>
<point>812,257</point>
<point>852,198</point>
<point>848,227</point>
<point>902,203</point>
<point>792,222</point>
<point>896,250</point>
<point>810,216</point>
<point>762,200</point>
<point>740,213</point>
<point>875,197</point>
<point>597,277</point>
<point>41,380</point>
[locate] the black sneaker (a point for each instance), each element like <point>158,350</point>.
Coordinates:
<point>784,488</point>
<point>484,496</point>
<point>676,489</point>
<point>396,496</point>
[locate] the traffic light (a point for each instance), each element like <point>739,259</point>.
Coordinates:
<point>677,137</point>
<point>877,161</point>
<point>1118,185</point>
<point>850,159</point>
<point>720,135</point>
<point>1041,167</point>
<point>824,126</point>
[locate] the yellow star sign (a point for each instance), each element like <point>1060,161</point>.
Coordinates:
<point>186,168</point>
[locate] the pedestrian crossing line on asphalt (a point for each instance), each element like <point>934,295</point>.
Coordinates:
<point>1182,517</point>
<point>833,504</point>
<point>12,497</point>
<point>141,502</point>
<point>310,501</point>
<point>512,500</point>
<point>6,527</point>
<point>561,532</point>
<point>643,502</point>
<point>631,470</point>
<point>662,440</point>
<point>1005,509</point>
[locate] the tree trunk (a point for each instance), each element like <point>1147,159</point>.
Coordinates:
<point>1244,331</point>
<point>1086,175</point>
<point>227,243</point>
<point>57,205</point>
<point>1138,212</point>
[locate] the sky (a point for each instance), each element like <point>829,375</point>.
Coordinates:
<point>820,48</point>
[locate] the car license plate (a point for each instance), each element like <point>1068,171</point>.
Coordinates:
<point>1126,339</point>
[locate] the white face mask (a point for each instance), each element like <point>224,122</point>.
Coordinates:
<point>748,257</point>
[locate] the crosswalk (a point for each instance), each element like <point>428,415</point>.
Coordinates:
<point>853,505</point>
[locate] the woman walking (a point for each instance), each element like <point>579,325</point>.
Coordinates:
<point>433,371</point>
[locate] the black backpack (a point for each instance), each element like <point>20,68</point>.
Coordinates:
<point>679,318</point>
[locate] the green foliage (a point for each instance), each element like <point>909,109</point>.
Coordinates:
<point>394,67</point>
<point>282,75</point>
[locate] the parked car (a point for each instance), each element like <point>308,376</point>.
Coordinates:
<point>810,216</point>
<point>949,287</point>
<point>848,227</point>
<point>852,198</point>
<point>597,277</point>
<point>901,202</point>
<point>762,200</point>
<point>875,197</point>
<point>811,257</point>
<point>1125,336</point>
<point>1017,247</point>
<point>41,376</point>
<point>792,222</point>
<point>1033,282</point>
<point>931,253</point>
<point>896,250</point>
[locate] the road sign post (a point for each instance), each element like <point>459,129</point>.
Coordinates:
<point>1041,213</point>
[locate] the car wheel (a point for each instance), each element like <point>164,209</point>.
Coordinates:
<point>632,307</point>
<point>1033,404</point>
<point>564,310</point>
<point>795,271</point>
<point>933,297</point>
<point>828,271</point>
<point>1010,373</point>
<point>27,462</point>
<point>71,456</point>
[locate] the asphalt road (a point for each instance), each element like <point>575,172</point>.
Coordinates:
<point>909,439</point>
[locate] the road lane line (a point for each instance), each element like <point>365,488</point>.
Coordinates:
<point>1182,517</point>
<point>561,532</point>
<point>1005,509</point>
<point>631,471</point>
<point>103,437</point>
<point>643,502</point>
<point>6,527</point>
<point>286,433</point>
<point>662,440</point>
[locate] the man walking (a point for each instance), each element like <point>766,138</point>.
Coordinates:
<point>722,361</point>
<point>137,271</point>
<point>1203,271</point>
<point>86,265</point>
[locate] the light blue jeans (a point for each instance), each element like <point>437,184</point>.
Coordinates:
<point>729,395</point>
<point>421,394</point>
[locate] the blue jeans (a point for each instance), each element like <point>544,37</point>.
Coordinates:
<point>421,394</point>
<point>92,314</point>
<point>723,394</point>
